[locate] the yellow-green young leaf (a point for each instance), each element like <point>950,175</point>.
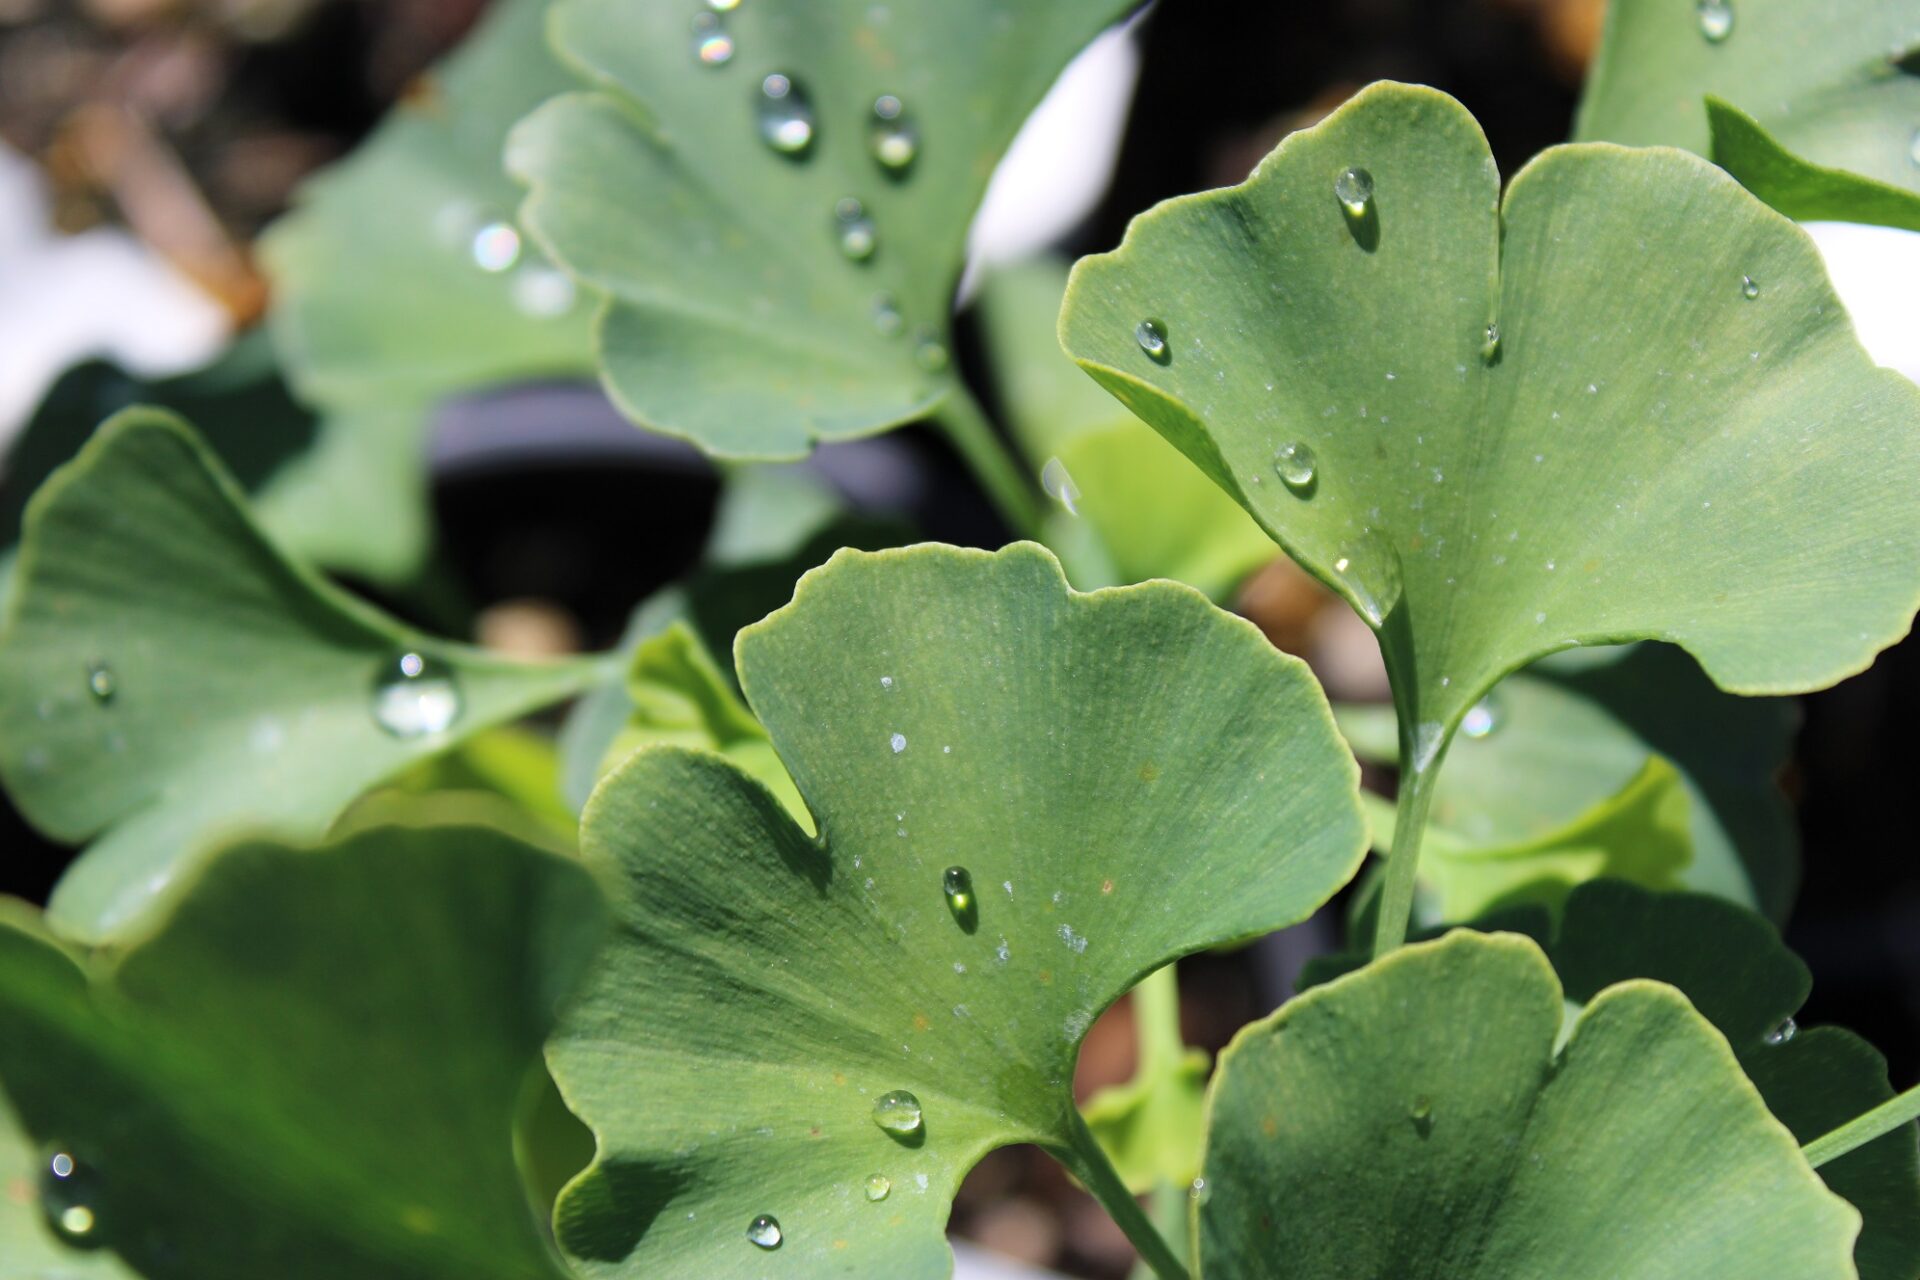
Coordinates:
<point>1568,733</point>
<point>1119,778</point>
<point>402,275</point>
<point>312,1066</point>
<point>1152,513</point>
<point>1505,428</point>
<point>775,198</point>
<point>167,676</point>
<point>1639,835</point>
<point>1414,1120</point>
<point>1812,106</point>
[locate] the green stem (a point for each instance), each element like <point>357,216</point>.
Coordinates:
<point>1156,1021</point>
<point>1087,1162</point>
<point>1858,1132</point>
<point>1403,859</point>
<point>990,460</point>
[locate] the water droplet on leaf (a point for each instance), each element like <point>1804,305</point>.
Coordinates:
<point>886,315</point>
<point>1059,485</point>
<point>897,1111</point>
<point>898,742</point>
<point>1490,346</point>
<point>896,143</point>
<point>1481,719</point>
<point>712,46</point>
<point>414,696</point>
<point>70,1198</point>
<point>765,1231</point>
<point>496,247</point>
<point>1354,189</point>
<point>1152,337</point>
<point>1294,464</point>
<point>1781,1034</point>
<point>957,884</point>
<point>1716,19</point>
<point>786,115</point>
<point>929,351</point>
<point>879,1186</point>
<point>100,682</point>
<point>1749,288</point>
<point>855,230</point>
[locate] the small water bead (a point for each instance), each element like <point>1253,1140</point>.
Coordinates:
<point>896,143</point>
<point>414,696</point>
<point>1354,189</point>
<point>898,742</point>
<point>100,682</point>
<point>1152,337</point>
<point>1490,346</point>
<point>929,352</point>
<point>496,247</point>
<point>879,1187</point>
<point>1059,485</point>
<point>786,115</point>
<point>1295,465</point>
<point>886,315</point>
<point>1716,19</point>
<point>1781,1034</point>
<point>711,43</point>
<point>1481,719</point>
<point>70,1198</point>
<point>897,1111</point>
<point>858,238</point>
<point>1421,1113</point>
<point>1199,1191</point>
<point>1749,288</point>
<point>957,884</point>
<point>542,292</point>
<point>765,1231</point>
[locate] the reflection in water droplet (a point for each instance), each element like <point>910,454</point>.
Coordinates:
<point>1783,1033</point>
<point>1490,344</point>
<point>1481,719</point>
<point>100,682</point>
<point>896,143</point>
<point>854,229</point>
<point>1716,19</point>
<point>929,351</point>
<point>70,1198</point>
<point>897,1111</point>
<point>1295,465</point>
<point>957,884</point>
<point>765,1231</point>
<point>1059,485</point>
<point>1199,1190</point>
<point>711,43</point>
<point>496,247</point>
<point>879,1186</point>
<point>1354,189</point>
<point>1152,337</point>
<point>723,6</point>
<point>898,742</point>
<point>886,315</point>
<point>1749,288</point>
<point>414,696</point>
<point>786,115</point>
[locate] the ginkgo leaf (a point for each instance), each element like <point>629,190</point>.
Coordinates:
<point>1553,741</point>
<point>1416,1119</point>
<point>310,1068</point>
<point>167,676</point>
<point>1813,107</point>
<point>775,199</point>
<point>401,275</point>
<point>1027,800</point>
<point>1624,402</point>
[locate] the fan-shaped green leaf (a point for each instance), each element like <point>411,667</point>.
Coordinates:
<point>752,308</point>
<point>1152,513</point>
<point>1122,777</point>
<point>312,1067</point>
<point>1414,1120</point>
<point>401,275</point>
<point>1570,732</point>
<point>166,675</point>
<point>1813,107</point>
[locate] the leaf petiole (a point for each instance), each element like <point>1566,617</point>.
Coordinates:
<point>1861,1130</point>
<point>1087,1162</point>
<point>992,463</point>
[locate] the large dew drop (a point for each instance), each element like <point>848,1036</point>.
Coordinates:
<point>70,1198</point>
<point>1354,190</point>
<point>712,46</point>
<point>1295,465</point>
<point>1716,19</point>
<point>1152,337</point>
<point>957,884</point>
<point>897,1111</point>
<point>496,247</point>
<point>1059,485</point>
<point>1749,288</point>
<point>765,1231</point>
<point>1781,1034</point>
<point>415,696</point>
<point>879,1186</point>
<point>855,230</point>
<point>896,143</point>
<point>1481,719</point>
<point>786,115</point>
